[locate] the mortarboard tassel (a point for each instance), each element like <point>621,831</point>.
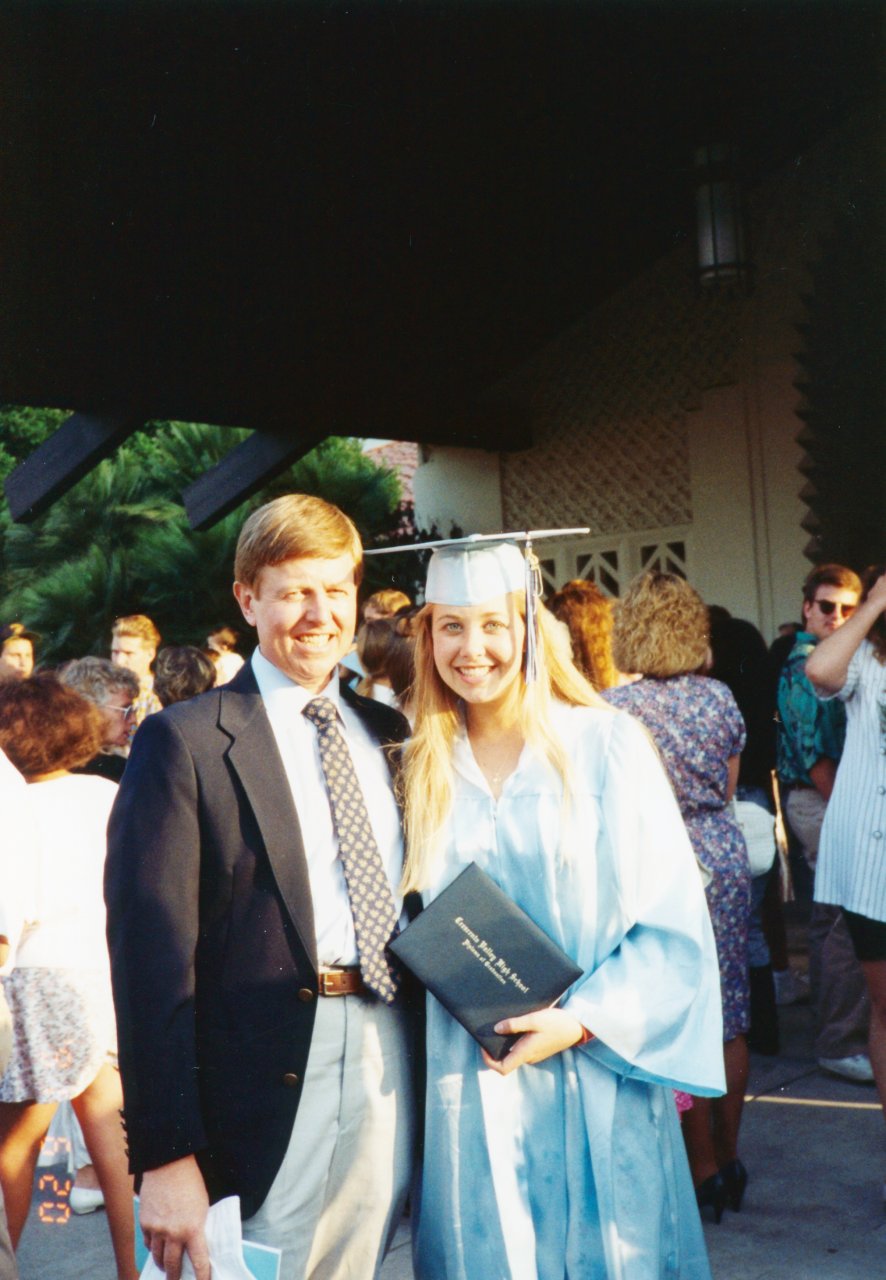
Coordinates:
<point>533,593</point>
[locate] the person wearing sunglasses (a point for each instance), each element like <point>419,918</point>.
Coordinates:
<point>810,743</point>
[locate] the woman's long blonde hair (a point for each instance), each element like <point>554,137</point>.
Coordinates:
<point>428,772</point>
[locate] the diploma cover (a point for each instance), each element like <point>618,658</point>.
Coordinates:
<point>483,958</point>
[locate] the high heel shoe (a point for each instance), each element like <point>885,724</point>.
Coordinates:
<point>735,1179</point>
<point>712,1194</point>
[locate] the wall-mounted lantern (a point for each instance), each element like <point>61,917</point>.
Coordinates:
<point>722,257</point>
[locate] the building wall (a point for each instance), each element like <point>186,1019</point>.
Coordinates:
<point>666,422</point>
<point>458,487</point>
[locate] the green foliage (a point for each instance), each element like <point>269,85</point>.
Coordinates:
<point>22,429</point>
<point>340,471</point>
<point>119,541</point>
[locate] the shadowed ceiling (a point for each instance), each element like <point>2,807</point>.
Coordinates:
<point>325,218</point>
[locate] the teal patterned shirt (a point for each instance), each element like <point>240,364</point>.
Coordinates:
<point>808,728</point>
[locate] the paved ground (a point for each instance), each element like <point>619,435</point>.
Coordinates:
<point>816,1151</point>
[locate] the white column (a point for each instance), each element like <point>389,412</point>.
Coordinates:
<point>747,544</point>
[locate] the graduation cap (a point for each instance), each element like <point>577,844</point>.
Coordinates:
<point>470,571</point>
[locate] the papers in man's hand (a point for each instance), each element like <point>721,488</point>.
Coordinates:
<point>230,1256</point>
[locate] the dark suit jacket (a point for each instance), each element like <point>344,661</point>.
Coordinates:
<point>212,941</point>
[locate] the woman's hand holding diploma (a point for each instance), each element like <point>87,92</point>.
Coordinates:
<point>542,1034</point>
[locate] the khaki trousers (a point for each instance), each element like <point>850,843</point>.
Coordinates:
<point>339,1195</point>
<point>836,984</point>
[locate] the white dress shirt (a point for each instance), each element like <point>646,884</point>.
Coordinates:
<point>296,740</point>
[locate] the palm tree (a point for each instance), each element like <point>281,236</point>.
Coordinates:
<point>119,541</point>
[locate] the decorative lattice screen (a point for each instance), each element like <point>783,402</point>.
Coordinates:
<point>612,563</point>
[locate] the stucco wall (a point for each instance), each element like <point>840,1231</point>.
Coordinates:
<point>458,487</point>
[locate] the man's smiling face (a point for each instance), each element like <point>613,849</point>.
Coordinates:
<point>305,612</point>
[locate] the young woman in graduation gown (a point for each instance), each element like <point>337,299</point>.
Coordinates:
<point>564,1161</point>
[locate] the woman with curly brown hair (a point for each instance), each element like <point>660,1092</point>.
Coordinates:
<point>661,631</point>
<point>582,606</point>
<point>58,985</point>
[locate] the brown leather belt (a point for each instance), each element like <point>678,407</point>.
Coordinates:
<point>345,981</point>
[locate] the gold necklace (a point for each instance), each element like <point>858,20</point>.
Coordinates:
<point>495,773</point>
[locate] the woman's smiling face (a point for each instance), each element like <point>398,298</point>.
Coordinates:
<point>478,649</point>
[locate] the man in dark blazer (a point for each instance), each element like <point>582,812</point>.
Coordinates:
<point>257,1057</point>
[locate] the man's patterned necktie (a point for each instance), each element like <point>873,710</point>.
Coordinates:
<point>372,903</point>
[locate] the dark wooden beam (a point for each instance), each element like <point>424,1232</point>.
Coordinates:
<point>241,472</point>
<point>76,447</point>
<point>489,422</point>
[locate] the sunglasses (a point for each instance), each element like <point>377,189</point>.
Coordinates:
<point>828,606</point>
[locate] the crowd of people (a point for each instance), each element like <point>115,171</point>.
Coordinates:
<point>65,737</point>
<point>209,857</point>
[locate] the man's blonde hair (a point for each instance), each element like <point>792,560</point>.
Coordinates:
<point>296,526</point>
<point>138,625</point>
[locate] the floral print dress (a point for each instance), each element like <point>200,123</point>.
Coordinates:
<point>697,726</point>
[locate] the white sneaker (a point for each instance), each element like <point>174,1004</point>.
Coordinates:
<point>86,1200</point>
<point>789,986</point>
<point>857,1067</point>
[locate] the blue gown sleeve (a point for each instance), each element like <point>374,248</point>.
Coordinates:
<point>651,994</point>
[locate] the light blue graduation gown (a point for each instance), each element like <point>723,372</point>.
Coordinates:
<point>574,1169</point>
